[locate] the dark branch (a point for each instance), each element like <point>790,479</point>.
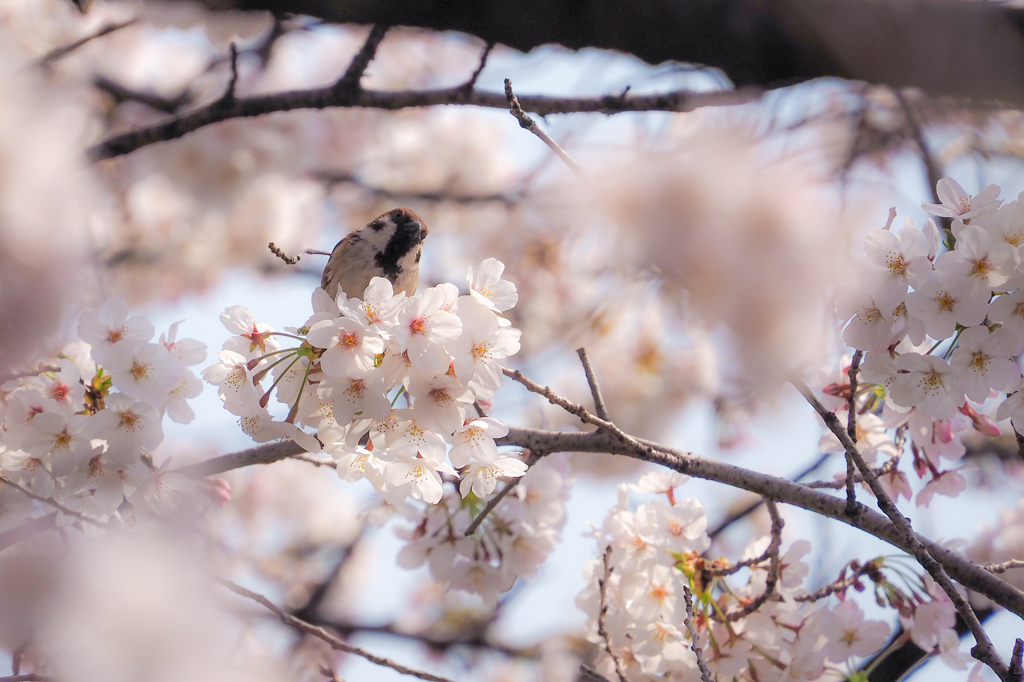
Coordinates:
<point>347,87</point>
<point>324,98</point>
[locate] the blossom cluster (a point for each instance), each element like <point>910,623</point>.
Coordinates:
<point>634,601</point>
<point>939,315</point>
<point>81,433</point>
<point>512,541</point>
<point>356,358</point>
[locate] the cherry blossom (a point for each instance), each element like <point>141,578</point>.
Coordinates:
<point>109,328</point>
<point>351,348</point>
<point>943,301</point>
<point>956,203</point>
<point>983,361</point>
<point>984,263</point>
<point>893,262</point>
<point>850,635</point>
<point>928,381</point>
<point>487,286</point>
<point>423,329</point>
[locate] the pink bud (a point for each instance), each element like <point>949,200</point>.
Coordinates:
<point>943,430</point>
<point>985,425</point>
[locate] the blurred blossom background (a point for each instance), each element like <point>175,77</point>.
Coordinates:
<point>698,264</point>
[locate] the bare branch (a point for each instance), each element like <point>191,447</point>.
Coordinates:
<point>496,500</point>
<point>705,673</point>
<point>968,574</point>
<point>851,430</point>
<point>529,124</point>
<point>290,260</point>
<point>595,389</point>
<point>773,567</point>
<point>468,86</point>
<point>53,503</point>
<point>592,674</point>
<point>30,677</point>
<point>54,55</point>
<point>323,98</point>
<point>30,373</point>
<point>229,94</point>
<point>602,584</point>
<point>1016,673</point>
<point>347,86</point>
<point>984,650</point>
<point>1005,566</point>
<point>327,637</point>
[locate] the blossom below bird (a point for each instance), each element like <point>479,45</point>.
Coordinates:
<point>389,246</point>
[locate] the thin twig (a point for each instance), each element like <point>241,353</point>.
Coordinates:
<point>30,373</point>
<point>773,567</point>
<point>589,672</point>
<point>602,632</point>
<point>705,673</point>
<point>468,86</point>
<point>53,503</point>
<point>496,500</point>
<point>851,430</point>
<point>290,260</point>
<point>529,124</point>
<point>55,54</point>
<point>320,633</point>
<point>595,390</point>
<point>838,585</point>
<point>984,650</point>
<point>1016,673</point>
<point>229,95</point>
<point>1005,566</point>
<point>348,85</point>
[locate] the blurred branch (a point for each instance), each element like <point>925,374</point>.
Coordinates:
<point>347,88</point>
<point>931,167</point>
<point>964,49</point>
<point>54,55</point>
<point>399,195</point>
<point>324,98</point>
<point>53,503</point>
<point>29,677</point>
<point>327,637</point>
<point>121,93</point>
<point>468,86</point>
<point>29,373</point>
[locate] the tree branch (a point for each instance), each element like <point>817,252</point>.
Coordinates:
<point>968,574</point>
<point>324,98</point>
<point>327,637</point>
<point>529,124</point>
<point>705,673</point>
<point>595,390</point>
<point>984,650</point>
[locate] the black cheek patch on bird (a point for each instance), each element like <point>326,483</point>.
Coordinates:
<point>402,242</point>
<point>378,224</point>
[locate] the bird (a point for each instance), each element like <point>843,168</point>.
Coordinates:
<point>388,246</point>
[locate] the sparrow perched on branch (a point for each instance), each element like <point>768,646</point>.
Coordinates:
<point>389,246</point>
